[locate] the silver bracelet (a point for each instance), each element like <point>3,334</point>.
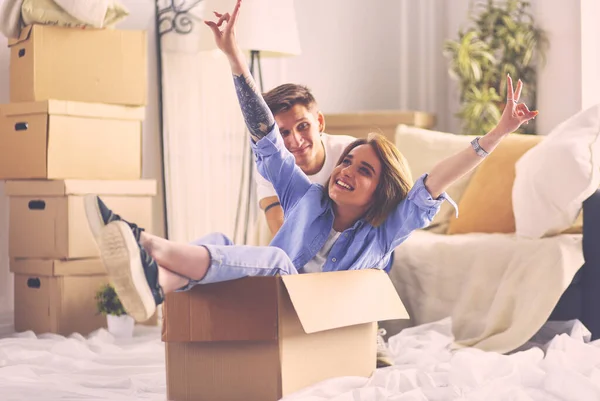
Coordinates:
<point>477,148</point>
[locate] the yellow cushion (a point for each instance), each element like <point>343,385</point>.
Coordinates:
<point>486,205</point>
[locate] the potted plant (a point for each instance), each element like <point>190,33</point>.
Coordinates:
<point>502,39</point>
<point>119,323</point>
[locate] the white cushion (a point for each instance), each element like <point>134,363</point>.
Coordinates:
<point>556,176</point>
<point>423,149</point>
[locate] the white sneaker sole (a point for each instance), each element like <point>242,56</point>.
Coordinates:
<point>121,257</point>
<point>94,217</point>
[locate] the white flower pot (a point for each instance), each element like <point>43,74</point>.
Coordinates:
<point>120,326</point>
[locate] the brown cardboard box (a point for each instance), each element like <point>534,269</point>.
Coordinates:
<point>91,65</point>
<point>57,139</point>
<point>261,338</point>
<point>47,218</point>
<point>53,296</point>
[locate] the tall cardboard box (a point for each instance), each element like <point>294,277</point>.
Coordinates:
<point>54,296</point>
<point>87,65</point>
<point>61,139</point>
<point>261,338</point>
<point>47,218</point>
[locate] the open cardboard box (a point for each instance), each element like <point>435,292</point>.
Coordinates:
<point>261,338</point>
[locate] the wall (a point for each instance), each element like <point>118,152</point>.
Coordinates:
<point>559,82</point>
<point>570,81</point>
<point>142,17</point>
<point>349,54</point>
<point>384,56</point>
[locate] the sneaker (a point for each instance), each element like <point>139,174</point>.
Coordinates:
<point>99,215</point>
<point>384,359</point>
<point>131,270</point>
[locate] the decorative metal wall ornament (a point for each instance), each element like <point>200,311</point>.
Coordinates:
<point>176,17</point>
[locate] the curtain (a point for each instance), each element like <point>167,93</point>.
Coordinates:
<point>204,134</point>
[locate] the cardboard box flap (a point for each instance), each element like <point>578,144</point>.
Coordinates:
<point>71,108</point>
<point>237,310</point>
<point>23,36</point>
<point>325,301</point>
<point>48,267</point>
<point>80,187</point>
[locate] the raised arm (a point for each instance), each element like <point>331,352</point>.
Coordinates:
<point>257,115</point>
<point>451,169</point>
<point>273,161</point>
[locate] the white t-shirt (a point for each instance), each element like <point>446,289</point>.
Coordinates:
<point>315,265</point>
<point>334,146</point>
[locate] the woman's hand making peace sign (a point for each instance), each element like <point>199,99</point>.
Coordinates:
<point>515,114</point>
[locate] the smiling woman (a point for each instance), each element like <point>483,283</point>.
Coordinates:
<point>372,177</point>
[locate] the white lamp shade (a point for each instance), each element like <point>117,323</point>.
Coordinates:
<point>268,26</point>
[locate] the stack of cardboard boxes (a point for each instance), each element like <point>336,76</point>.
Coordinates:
<point>73,126</point>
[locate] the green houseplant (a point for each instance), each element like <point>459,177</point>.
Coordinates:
<point>108,304</point>
<point>501,39</point>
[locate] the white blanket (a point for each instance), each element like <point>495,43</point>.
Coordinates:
<point>498,289</point>
<point>100,367</point>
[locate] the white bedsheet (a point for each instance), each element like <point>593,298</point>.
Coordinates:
<point>52,368</point>
<point>498,289</point>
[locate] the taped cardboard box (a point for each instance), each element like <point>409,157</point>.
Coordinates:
<point>47,218</point>
<point>87,65</point>
<point>57,139</point>
<point>261,338</point>
<point>54,296</point>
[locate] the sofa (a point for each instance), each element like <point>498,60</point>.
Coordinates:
<point>514,258</point>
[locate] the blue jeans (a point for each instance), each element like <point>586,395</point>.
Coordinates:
<point>230,262</point>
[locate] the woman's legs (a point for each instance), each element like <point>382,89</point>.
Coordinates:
<point>187,260</point>
<point>177,263</point>
<point>211,259</point>
<point>136,274</point>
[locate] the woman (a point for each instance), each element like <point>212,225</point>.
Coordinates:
<point>367,209</point>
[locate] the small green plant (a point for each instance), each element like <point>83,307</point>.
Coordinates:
<point>502,39</point>
<point>107,301</point>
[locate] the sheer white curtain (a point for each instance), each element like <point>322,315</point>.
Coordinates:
<point>204,136</point>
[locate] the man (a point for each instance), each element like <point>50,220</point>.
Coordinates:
<point>302,126</point>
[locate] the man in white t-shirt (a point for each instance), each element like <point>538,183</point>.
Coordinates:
<point>302,127</point>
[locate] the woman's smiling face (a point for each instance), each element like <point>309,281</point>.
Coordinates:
<point>354,181</point>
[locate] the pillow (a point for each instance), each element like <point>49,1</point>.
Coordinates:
<point>423,149</point>
<point>486,205</point>
<point>107,13</point>
<point>555,178</point>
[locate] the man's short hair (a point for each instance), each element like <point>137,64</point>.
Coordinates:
<point>286,96</point>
